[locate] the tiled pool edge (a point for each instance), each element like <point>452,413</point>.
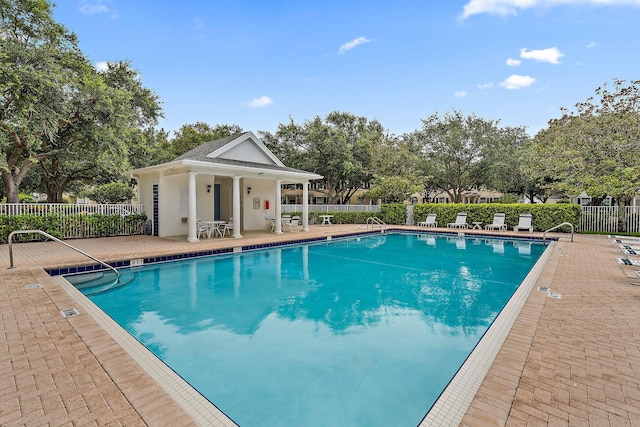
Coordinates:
<point>456,398</point>
<point>64,270</point>
<point>455,405</point>
<point>203,412</point>
<point>186,255</point>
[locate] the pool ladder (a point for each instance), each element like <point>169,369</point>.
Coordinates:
<point>57,240</point>
<point>544,235</point>
<point>375,221</point>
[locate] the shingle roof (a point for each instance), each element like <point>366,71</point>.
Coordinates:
<point>206,148</point>
<point>201,152</point>
<point>247,164</point>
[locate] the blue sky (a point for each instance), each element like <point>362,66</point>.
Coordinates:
<point>256,63</point>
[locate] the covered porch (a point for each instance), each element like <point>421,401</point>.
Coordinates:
<point>236,180</point>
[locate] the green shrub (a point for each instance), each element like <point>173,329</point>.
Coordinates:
<point>393,213</point>
<point>545,216</point>
<point>74,226</point>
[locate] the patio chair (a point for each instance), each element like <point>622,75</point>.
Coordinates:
<point>202,228</point>
<point>294,222</point>
<point>429,222</point>
<point>227,226</point>
<point>524,223</point>
<point>461,221</point>
<point>498,223</point>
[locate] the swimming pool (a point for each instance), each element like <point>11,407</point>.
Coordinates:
<point>365,331</point>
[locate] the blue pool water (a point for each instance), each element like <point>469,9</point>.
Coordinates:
<point>365,331</point>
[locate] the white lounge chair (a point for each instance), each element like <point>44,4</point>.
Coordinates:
<point>524,223</point>
<point>429,222</point>
<point>461,221</point>
<point>498,223</point>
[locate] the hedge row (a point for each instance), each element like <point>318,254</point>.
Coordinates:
<point>544,216</point>
<point>70,226</point>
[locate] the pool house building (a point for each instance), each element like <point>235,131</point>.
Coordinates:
<point>236,179</point>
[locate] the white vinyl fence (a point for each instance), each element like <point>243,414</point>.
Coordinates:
<point>608,219</point>
<point>332,208</point>
<point>76,220</point>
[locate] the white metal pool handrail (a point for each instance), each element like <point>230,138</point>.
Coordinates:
<point>375,220</point>
<point>57,240</point>
<point>544,235</point>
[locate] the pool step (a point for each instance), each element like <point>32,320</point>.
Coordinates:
<point>99,282</point>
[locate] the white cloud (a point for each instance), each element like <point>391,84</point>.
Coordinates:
<point>511,7</point>
<point>263,101</point>
<point>516,81</point>
<point>353,43</point>
<point>485,85</point>
<point>513,62</point>
<point>96,7</point>
<point>592,44</point>
<point>102,66</point>
<point>460,94</point>
<point>550,55</point>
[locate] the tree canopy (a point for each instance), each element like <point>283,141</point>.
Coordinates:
<point>65,126</point>
<point>595,148</point>
<point>339,147</point>
<point>458,151</point>
<point>40,66</point>
<point>57,111</point>
<point>93,146</point>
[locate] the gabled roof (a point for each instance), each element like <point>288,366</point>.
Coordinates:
<point>223,148</point>
<point>208,147</point>
<point>243,152</point>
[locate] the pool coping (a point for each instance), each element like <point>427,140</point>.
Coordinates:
<point>449,408</point>
<point>454,401</point>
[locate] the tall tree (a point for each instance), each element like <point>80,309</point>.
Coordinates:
<point>595,148</point>
<point>455,147</point>
<point>397,168</point>
<point>106,115</point>
<point>338,147</point>
<point>40,65</point>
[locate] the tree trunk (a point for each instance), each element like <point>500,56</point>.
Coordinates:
<point>11,187</point>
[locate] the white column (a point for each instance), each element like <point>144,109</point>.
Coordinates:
<point>278,207</point>
<point>305,206</point>
<point>193,230</point>
<point>212,195</point>
<point>236,207</point>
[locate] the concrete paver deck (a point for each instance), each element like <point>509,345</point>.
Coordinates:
<point>568,361</point>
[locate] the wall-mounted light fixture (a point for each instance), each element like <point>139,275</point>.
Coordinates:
<point>208,188</point>
<point>248,190</point>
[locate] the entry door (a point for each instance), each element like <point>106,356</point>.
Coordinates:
<point>216,202</point>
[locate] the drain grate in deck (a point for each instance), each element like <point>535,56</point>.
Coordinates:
<point>33,286</point>
<point>543,289</point>
<point>68,312</point>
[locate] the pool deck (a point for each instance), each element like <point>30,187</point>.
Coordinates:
<point>573,360</point>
